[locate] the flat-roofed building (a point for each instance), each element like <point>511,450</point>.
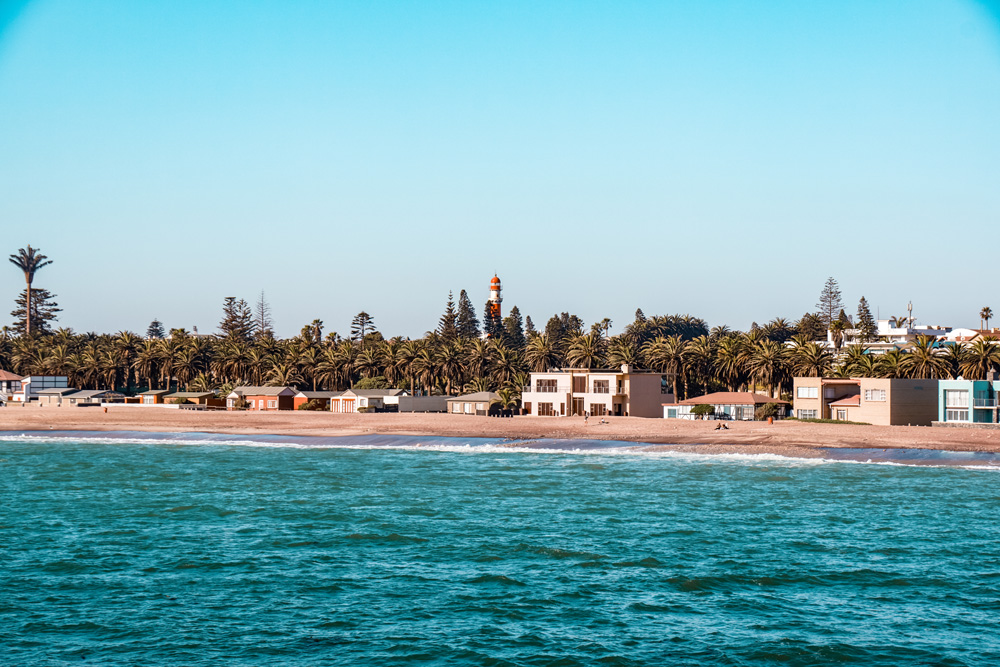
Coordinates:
<point>92,397</point>
<point>54,396</point>
<point>32,384</point>
<point>303,397</point>
<point>153,396</point>
<point>597,392</point>
<point>354,400</point>
<point>969,402</point>
<point>206,398</point>
<point>478,403</point>
<point>882,401</point>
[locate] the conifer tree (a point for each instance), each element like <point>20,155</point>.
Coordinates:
<point>867,327</point>
<point>447,326</point>
<point>811,326</point>
<point>262,323</point>
<point>514,329</point>
<point>492,325</point>
<point>43,311</point>
<point>529,327</point>
<point>830,302</point>
<point>467,323</point>
<point>237,320</point>
<point>156,330</point>
<point>362,325</point>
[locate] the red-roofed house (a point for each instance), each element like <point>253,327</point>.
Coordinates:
<point>737,405</point>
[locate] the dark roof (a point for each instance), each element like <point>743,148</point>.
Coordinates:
<point>318,394</point>
<point>262,391</point>
<point>732,398</point>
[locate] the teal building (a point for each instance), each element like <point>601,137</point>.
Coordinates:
<point>968,401</point>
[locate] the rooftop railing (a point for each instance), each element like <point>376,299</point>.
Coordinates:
<point>984,402</point>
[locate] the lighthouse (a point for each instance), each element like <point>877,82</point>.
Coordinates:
<point>495,298</point>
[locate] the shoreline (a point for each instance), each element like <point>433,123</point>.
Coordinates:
<point>792,439</point>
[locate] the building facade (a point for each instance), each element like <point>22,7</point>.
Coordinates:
<point>882,401</point>
<point>968,401</point>
<point>728,405</point>
<point>579,391</point>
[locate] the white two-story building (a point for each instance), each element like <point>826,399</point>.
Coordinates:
<point>597,392</point>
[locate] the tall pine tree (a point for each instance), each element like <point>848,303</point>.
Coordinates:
<point>514,329</point>
<point>830,302</point>
<point>492,325</point>
<point>44,310</point>
<point>262,324</point>
<point>866,324</point>
<point>467,323</point>
<point>156,330</point>
<point>237,319</point>
<point>447,326</point>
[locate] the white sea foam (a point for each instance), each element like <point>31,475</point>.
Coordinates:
<point>489,447</point>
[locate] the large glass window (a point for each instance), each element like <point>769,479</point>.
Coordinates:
<point>807,392</point>
<point>598,409</point>
<point>602,386</point>
<point>807,414</point>
<point>546,386</point>
<point>956,398</point>
<point>956,415</point>
<point>545,410</point>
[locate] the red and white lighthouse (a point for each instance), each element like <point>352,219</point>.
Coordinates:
<point>495,298</point>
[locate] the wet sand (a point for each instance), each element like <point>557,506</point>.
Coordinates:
<point>782,438</point>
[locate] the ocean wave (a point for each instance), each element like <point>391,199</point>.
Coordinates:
<point>446,444</point>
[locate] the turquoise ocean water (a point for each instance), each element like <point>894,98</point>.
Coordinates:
<point>128,549</point>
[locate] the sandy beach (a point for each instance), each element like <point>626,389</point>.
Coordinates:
<point>783,438</point>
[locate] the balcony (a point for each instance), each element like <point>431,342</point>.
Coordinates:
<point>984,402</point>
<point>598,389</point>
<point>546,390</point>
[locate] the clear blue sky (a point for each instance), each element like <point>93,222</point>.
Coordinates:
<point>715,158</point>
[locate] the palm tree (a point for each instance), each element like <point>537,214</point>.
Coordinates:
<point>622,351</point>
<point>700,359</point>
<point>984,315</point>
<point>541,353</point>
<point>814,361</point>
<point>667,355</point>
<point>923,361</point>
<point>450,364</point>
<point>507,398</point>
<point>982,357</point>
<point>730,361</point>
<point>506,366</point>
<point>892,364</point>
<point>29,261</point>
<point>837,328</point>
<point>767,364</point>
<point>586,351</point>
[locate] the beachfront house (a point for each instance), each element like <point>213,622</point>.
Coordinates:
<point>883,401</point>
<point>728,405</point>
<point>54,396</point>
<point>204,398</point>
<point>10,384</point>
<point>303,397</point>
<point>87,397</point>
<point>365,400</point>
<point>153,396</point>
<point>576,391</point>
<point>479,403</point>
<point>969,402</point>
<point>262,398</point>
<point>32,384</point>
<point>423,404</point>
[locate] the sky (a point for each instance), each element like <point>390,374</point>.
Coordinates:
<point>719,159</point>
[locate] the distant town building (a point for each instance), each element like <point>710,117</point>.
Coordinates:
<point>262,398</point>
<point>479,403</point>
<point>354,400</point>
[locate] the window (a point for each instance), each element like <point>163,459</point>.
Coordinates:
<point>272,404</point>
<point>956,415</point>
<point>841,415</point>
<point>579,384</point>
<point>807,392</point>
<point>665,387</point>
<point>956,398</point>
<point>527,407</point>
<point>598,409</point>
<point>602,386</point>
<point>807,414</point>
<point>875,395</point>
<point>545,410</point>
<point>671,413</point>
<point>456,407</point>
<point>546,386</point>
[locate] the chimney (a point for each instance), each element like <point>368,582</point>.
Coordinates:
<point>626,368</point>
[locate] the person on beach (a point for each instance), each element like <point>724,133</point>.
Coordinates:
<point>586,416</point>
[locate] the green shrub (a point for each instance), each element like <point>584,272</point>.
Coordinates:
<point>178,401</point>
<point>315,404</point>
<point>703,410</point>
<point>377,382</point>
<point>766,410</point>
